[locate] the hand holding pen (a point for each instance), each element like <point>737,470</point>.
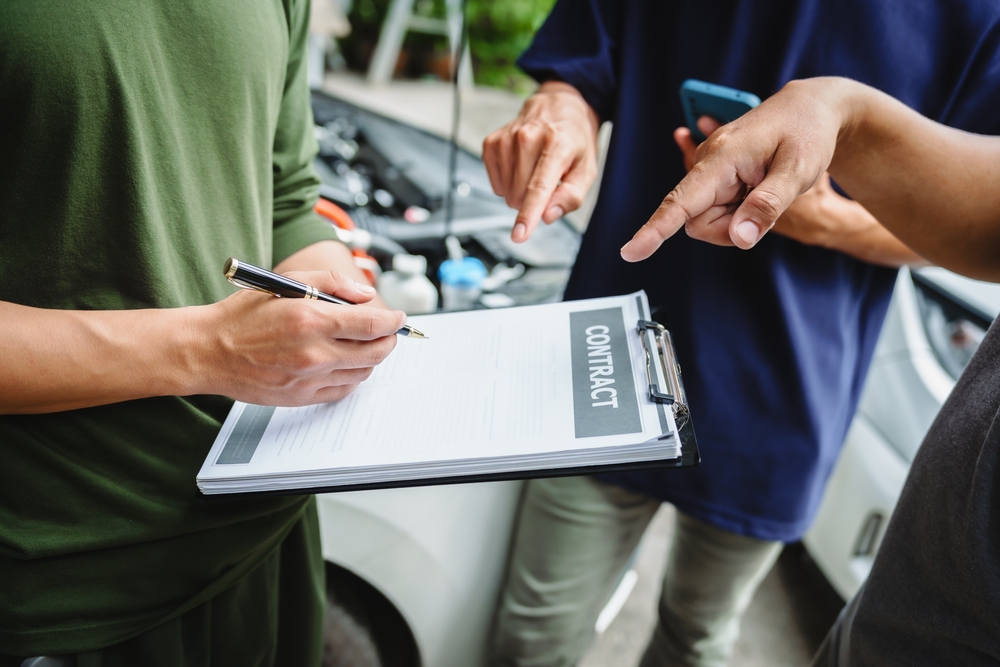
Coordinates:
<point>248,276</point>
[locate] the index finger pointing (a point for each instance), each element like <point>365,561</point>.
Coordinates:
<point>702,188</point>
<point>543,183</point>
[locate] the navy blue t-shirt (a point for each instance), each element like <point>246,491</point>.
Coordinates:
<point>774,342</point>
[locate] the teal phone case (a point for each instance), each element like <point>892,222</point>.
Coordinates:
<point>719,102</point>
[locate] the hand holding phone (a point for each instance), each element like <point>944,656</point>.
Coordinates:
<point>725,105</point>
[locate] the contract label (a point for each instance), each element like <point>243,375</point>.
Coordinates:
<point>604,393</point>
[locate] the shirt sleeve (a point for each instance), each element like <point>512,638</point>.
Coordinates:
<point>578,44</point>
<point>296,186</point>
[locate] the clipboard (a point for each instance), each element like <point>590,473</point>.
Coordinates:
<point>662,372</point>
<point>664,394</point>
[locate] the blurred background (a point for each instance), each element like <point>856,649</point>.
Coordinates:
<point>497,33</point>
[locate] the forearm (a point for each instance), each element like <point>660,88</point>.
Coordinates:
<point>860,235</point>
<point>88,358</point>
<point>249,346</point>
<point>936,188</point>
<point>322,256</point>
<point>879,246</point>
<point>876,245</point>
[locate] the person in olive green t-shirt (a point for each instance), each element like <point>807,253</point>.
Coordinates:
<point>143,144</point>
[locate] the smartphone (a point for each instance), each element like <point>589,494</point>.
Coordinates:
<point>719,102</point>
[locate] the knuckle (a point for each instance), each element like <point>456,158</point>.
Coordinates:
<point>766,203</point>
<point>491,144</point>
<point>675,199</point>
<point>722,136</point>
<point>661,233</point>
<point>307,358</point>
<point>535,187</point>
<point>525,135</point>
<point>718,142</point>
<point>300,320</point>
<point>371,323</point>
<point>337,280</point>
<point>382,323</point>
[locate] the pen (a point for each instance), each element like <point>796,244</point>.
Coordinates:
<point>248,276</point>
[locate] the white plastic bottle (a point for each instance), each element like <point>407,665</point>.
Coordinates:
<point>406,287</point>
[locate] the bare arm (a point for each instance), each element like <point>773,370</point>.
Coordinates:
<point>822,217</point>
<point>936,188</point>
<point>248,346</point>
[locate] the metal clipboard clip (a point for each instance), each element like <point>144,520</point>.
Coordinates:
<point>662,369</point>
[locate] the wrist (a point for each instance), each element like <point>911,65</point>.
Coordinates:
<point>561,88</point>
<point>555,86</point>
<point>849,102</point>
<point>190,348</point>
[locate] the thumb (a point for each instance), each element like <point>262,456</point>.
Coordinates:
<point>761,209</point>
<point>781,185</point>
<point>335,283</point>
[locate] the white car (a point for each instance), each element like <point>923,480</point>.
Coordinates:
<point>935,323</point>
<point>419,569</point>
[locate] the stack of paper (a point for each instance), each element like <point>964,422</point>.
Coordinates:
<point>491,394</point>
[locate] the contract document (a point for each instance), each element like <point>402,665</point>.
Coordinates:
<point>560,388</point>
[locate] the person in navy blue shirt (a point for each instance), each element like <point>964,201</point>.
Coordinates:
<point>774,344</point>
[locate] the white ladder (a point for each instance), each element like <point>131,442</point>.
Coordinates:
<point>399,20</point>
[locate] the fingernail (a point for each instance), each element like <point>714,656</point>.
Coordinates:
<point>748,231</point>
<point>365,289</point>
<point>555,213</point>
<point>624,252</point>
<point>520,229</point>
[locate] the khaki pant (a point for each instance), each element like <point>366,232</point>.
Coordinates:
<point>575,537</point>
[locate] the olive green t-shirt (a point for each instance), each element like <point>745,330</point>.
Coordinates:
<point>141,144</point>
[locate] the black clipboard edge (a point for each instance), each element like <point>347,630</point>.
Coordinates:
<point>690,456</point>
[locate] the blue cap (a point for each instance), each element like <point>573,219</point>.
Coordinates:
<point>467,272</point>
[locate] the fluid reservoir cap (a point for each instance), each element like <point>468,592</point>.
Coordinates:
<point>412,264</point>
<point>468,272</point>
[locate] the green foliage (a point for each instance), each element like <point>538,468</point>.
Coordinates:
<point>499,31</point>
